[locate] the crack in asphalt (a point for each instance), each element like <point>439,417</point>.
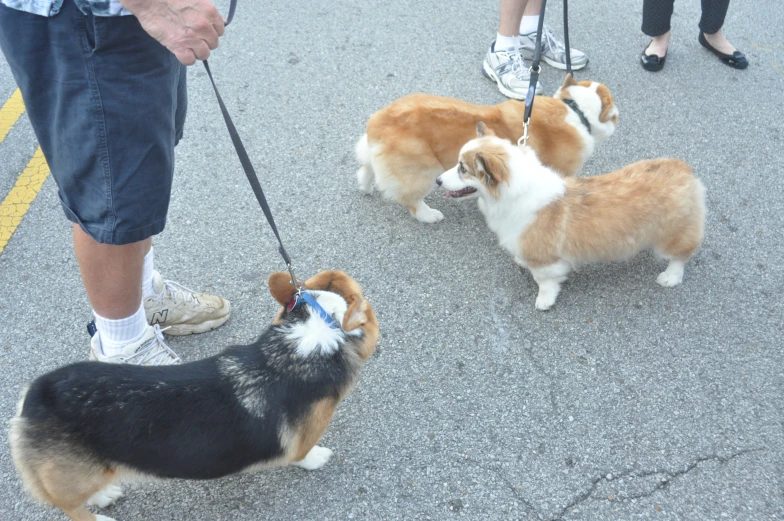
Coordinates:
<point>516,493</point>
<point>609,476</point>
<point>664,483</point>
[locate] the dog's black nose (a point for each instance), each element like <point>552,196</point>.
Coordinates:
<point>438,181</point>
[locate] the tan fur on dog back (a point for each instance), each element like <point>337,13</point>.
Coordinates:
<point>656,203</point>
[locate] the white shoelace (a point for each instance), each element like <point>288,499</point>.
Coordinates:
<point>550,42</point>
<point>518,65</point>
<point>155,350</point>
<point>177,292</point>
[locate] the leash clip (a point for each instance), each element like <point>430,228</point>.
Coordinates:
<point>524,138</point>
<point>294,280</point>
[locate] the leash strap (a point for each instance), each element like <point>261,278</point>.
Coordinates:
<point>535,69</point>
<point>250,172</point>
<point>566,38</point>
<point>232,8</point>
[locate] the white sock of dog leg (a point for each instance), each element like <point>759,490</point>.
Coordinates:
<point>148,290</point>
<point>506,42</point>
<point>529,24</point>
<point>116,334</point>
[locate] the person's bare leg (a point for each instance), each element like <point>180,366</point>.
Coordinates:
<point>719,42</point>
<point>659,44</point>
<point>112,275</point>
<point>511,14</point>
<point>533,8</point>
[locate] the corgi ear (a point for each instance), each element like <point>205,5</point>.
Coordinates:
<point>568,81</point>
<point>607,102</point>
<point>492,167</point>
<point>356,316</point>
<point>281,288</point>
<point>483,130</point>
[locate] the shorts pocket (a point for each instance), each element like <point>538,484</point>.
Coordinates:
<point>93,26</point>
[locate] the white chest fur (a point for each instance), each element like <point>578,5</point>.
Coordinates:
<point>531,187</point>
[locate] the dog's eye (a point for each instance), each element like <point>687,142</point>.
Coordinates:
<point>461,169</point>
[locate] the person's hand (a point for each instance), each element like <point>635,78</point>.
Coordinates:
<point>188,28</point>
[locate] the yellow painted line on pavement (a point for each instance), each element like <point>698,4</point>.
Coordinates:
<point>24,192</point>
<point>10,113</point>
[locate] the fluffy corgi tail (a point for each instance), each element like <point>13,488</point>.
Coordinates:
<point>365,173</point>
<point>22,454</point>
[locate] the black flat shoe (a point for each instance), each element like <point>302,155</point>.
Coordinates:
<point>652,62</point>
<point>735,60</point>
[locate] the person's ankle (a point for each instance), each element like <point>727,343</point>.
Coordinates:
<point>659,45</point>
<point>719,42</point>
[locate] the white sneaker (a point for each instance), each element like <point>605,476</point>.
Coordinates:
<point>553,51</point>
<point>150,350</point>
<point>508,70</point>
<point>180,311</point>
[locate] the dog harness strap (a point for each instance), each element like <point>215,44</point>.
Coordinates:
<point>313,303</point>
<point>573,105</point>
<point>250,172</point>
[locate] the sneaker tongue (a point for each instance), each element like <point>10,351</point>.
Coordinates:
<point>157,282</point>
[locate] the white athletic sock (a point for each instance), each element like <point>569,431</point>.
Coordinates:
<point>506,42</point>
<point>148,290</point>
<point>529,24</point>
<point>116,334</point>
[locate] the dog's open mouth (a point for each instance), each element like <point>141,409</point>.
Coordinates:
<point>456,194</point>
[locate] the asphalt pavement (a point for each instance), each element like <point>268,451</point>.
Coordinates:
<point>625,401</point>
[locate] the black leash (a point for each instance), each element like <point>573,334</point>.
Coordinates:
<point>250,172</point>
<point>566,38</point>
<point>535,70</point>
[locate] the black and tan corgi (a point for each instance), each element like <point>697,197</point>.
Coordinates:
<point>84,427</point>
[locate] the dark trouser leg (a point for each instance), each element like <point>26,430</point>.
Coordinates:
<point>713,14</point>
<point>656,15</point>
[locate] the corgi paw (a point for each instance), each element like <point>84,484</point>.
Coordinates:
<point>672,276</point>
<point>544,302</point>
<point>365,180</point>
<point>429,215</point>
<point>106,496</point>
<point>669,280</point>
<point>99,517</point>
<point>316,458</point>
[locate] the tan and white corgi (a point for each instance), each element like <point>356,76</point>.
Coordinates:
<point>551,224</point>
<point>416,138</point>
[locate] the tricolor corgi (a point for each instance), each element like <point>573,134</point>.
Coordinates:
<point>82,428</point>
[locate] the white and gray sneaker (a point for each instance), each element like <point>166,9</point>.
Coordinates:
<point>181,311</point>
<point>150,350</point>
<point>508,70</point>
<point>553,51</point>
